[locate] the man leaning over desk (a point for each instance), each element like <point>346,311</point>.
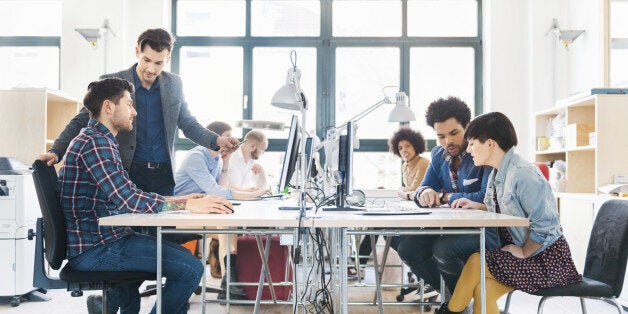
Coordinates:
<point>94,184</point>
<point>450,175</point>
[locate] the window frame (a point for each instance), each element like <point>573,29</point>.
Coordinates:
<point>35,41</point>
<point>326,44</point>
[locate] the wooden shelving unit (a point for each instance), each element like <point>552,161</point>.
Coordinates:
<point>31,119</point>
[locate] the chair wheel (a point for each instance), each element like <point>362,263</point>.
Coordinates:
<point>42,290</point>
<point>15,302</point>
<point>399,298</point>
<point>427,308</point>
<point>198,290</point>
<point>76,293</point>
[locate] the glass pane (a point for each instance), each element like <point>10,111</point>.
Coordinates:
<point>436,73</point>
<point>270,66</point>
<point>212,83</point>
<point>211,18</point>
<point>376,170</point>
<point>30,18</point>
<point>619,23</point>
<point>19,64</point>
<point>285,18</point>
<point>442,18</point>
<point>366,18</point>
<point>361,75</point>
<point>619,64</point>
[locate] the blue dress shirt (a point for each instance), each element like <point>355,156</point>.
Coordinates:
<point>151,143</point>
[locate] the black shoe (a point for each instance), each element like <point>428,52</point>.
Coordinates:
<point>94,304</point>
<point>233,272</point>
<point>444,310</point>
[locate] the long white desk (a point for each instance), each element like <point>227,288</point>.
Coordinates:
<point>266,214</point>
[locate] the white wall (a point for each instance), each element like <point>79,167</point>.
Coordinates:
<point>80,64</point>
<point>526,71</point>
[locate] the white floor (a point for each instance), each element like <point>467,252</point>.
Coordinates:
<point>63,303</point>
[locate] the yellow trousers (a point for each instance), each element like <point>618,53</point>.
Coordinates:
<point>468,287</point>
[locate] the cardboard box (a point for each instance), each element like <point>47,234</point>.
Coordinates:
<point>577,134</point>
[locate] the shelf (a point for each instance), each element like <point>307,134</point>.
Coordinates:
<point>566,150</point>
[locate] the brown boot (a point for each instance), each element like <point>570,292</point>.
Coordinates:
<point>214,261</point>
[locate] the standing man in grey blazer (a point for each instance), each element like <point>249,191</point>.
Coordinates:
<point>148,150</point>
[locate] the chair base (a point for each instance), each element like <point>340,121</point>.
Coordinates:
<point>612,301</point>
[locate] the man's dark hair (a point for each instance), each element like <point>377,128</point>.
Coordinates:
<point>218,127</point>
<point>442,110</point>
<point>493,125</point>
<point>111,89</point>
<point>157,38</point>
<point>407,134</point>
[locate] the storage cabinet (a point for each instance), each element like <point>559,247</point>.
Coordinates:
<point>592,165</point>
<point>31,119</point>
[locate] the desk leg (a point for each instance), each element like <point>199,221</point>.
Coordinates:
<point>483,270</point>
<point>344,248</point>
<point>295,262</point>
<point>204,262</point>
<point>159,268</point>
<point>378,273</point>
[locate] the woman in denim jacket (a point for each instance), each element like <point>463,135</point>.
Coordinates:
<point>530,258</point>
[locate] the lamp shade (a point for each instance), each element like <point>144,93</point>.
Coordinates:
<point>401,112</point>
<point>288,97</point>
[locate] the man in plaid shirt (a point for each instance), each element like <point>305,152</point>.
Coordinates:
<point>94,184</point>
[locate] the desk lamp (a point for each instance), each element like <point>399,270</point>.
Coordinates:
<point>291,97</point>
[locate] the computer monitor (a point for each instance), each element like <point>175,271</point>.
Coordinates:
<point>345,171</point>
<point>290,158</point>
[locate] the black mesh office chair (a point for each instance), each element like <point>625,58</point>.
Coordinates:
<point>605,265</point>
<point>51,242</point>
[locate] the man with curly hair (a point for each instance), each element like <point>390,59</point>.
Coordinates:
<point>451,175</point>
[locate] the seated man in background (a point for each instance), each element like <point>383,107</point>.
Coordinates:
<point>244,173</point>
<point>205,171</point>
<point>451,175</point>
<point>94,184</point>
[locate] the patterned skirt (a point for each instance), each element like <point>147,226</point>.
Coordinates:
<point>552,267</point>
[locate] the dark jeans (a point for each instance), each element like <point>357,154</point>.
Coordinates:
<point>138,253</point>
<point>430,256</point>
<point>158,180</point>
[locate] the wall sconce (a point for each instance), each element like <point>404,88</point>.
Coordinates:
<point>92,35</point>
<point>566,37</point>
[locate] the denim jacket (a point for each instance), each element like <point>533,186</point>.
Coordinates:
<point>471,179</point>
<point>523,191</point>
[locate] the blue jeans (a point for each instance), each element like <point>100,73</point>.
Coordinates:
<point>138,252</point>
<point>430,256</point>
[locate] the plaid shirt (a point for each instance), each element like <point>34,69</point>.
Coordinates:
<point>94,184</point>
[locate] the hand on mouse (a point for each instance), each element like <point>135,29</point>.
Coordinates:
<point>209,204</point>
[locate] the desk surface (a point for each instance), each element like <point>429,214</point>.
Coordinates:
<point>266,214</point>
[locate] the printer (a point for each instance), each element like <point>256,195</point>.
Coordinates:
<point>19,210</point>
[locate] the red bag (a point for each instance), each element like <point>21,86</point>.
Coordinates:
<point>249,266</point>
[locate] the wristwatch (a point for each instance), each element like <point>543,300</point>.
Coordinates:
<point>408,196</point>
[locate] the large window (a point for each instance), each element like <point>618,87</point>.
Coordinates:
<point>619,44</point>
<point>29,49</point>
<point>234,54</point>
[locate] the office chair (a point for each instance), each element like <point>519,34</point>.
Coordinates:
<point>51,243</point>
<point>605,264</point>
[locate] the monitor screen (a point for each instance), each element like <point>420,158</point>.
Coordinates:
<point>345,171</point>
<point>290,157</point>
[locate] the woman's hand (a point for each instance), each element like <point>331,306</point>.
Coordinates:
<point>515,250</point>
<point>467,204</point>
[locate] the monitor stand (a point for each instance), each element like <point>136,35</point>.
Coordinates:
<point>341,205</point>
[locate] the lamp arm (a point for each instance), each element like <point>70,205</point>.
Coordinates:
<point>364,113</point>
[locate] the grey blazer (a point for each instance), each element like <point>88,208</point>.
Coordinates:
<point>176,115</point>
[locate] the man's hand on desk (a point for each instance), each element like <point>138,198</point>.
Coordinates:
<point>467,204</point>
<point>209,204</point>
<point>429,198</point>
